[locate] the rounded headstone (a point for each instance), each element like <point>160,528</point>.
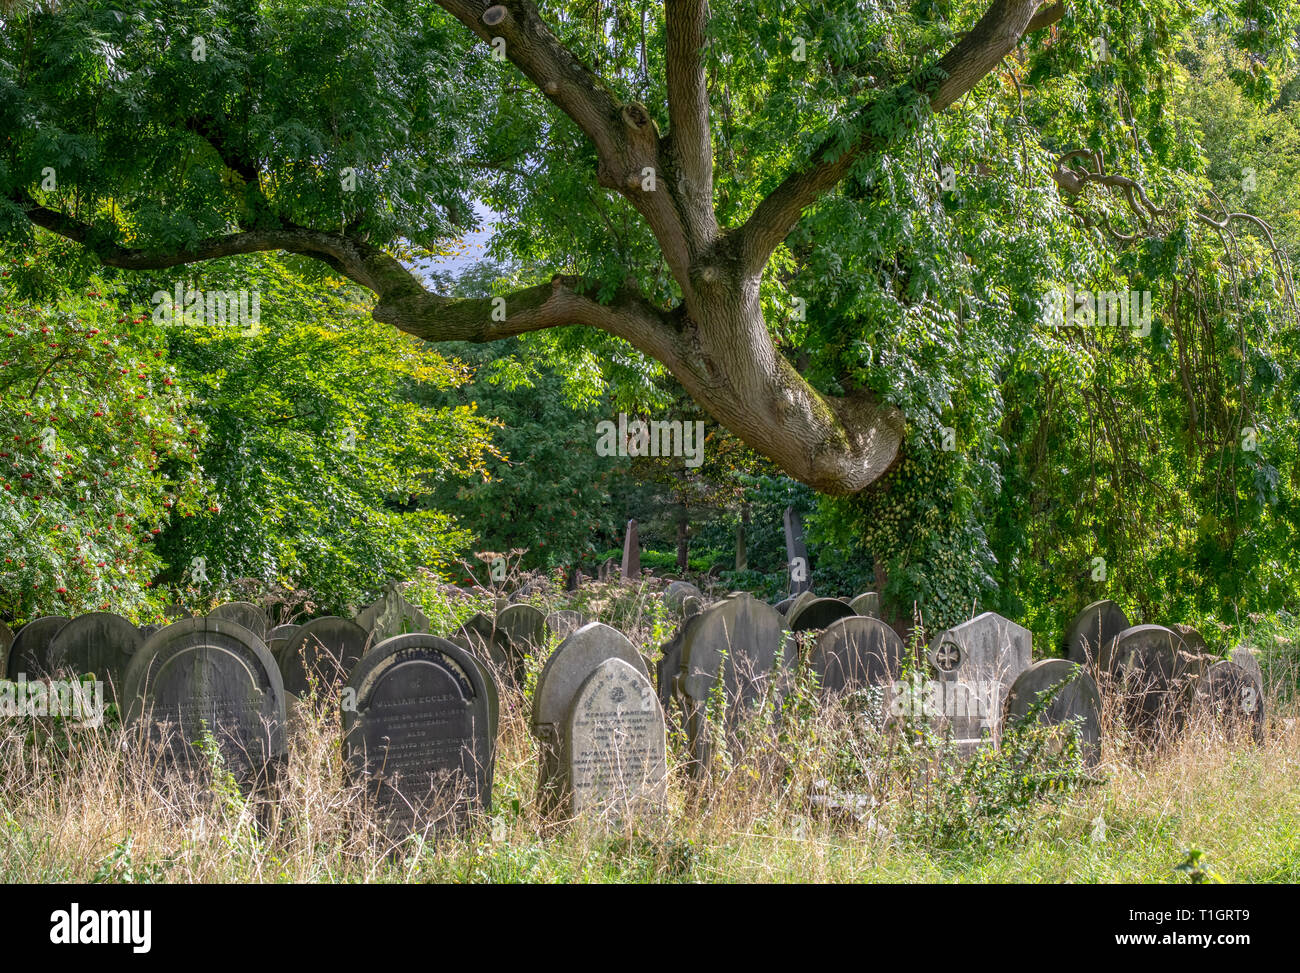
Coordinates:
<point>1233,697</point>
<point>1245,658</point>
<point>479,635</point>
<point>573,661</point>
<point>524,627</point>
<point>677,592</point>
<point>1148,666</point>
<point>817,613</point>
<point>209,674</point>
<point>564,622</point>
<point>29,654</point>
<point>855,653</point>
<point>421,737</point>
<point>244,613</point>
<point>867,603</point>
<point>1077,702</point>
<point>101,644</point>
<point>324,651</point>
<point>1093,629</point>
<point>1193,641</point>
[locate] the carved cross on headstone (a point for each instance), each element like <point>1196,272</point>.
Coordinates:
<point>948,657</point>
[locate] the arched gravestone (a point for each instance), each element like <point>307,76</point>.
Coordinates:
<point>391,615</point>
<point>244,613</point>
<point>1077,703</point>
<point>615,746</point>
<point>421,737</point>
<point>856,653</point>
<point>1232,696</point>
<point>576,658</point>
<point>479,634</point>
<point>99,643</point>
<point>1245,658</point>
<point>1147,665</point>
<point>323,651</point>
<point>6,641</point>
<point>1193,641</point>
<point>214,673</point>
<point>29,654</point>
<point>677,592</point>
<point>277,638</point>
<point>817,613</point>
<point>737,642</point>
<point>670,663</point>
<point>563,623</point>
<point>524,627</point>
<point>867,603</point>
<point>977,661</point>
<point>1092,630</point>
<point>796,602</point>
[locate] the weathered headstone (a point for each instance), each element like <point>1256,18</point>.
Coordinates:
<point>631,570</point>
<point>209,675</point>
<point>741,643</point>
<point>421,737</point>
<point>1245,658</point>
<point>322,652</point>
<point>524,627</point>
<point>816,613</point>
<point>867,603</point>
<point>576,658</point>
<point>614,745</point>
<point>1231,695</point>
<point>742,556</point>
<point>855,653</point>
<point>1092,630</point>
<point>564,622</point>
<point>977,661</point>
<point>670,663</point>
<point>391,614</point>
<point>29,654</point>
<point>1077,703</point>
<point>1148,666</point>
<point>797,566</point>
<point>1193,641</point>
<point>608,568</point>
<point>101,644</point>
<point>678,591</point>
<point>245,613</point>
<point>478,634</point>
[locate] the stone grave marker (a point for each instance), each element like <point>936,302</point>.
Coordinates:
<point>977,661</point>
<point>631,570</point>
<point>797,566</point>
<point>478,634</point>
<point>1193,641</point>
<point>29,654</point>
<point>737,642</point>
<point>566,669</point>
<point>1077,703</point>
<point>421,737</point>
<point>857,652</point>
<point>524,627</point>
<point>670,663</point>
<point>323,651</point>
<point>742,557</point>
<point>1232,696</point>
<point>244,613</point>
<point>391,615</point>
<point>279,636</point>
<point>1148,666</point>
<point>214,673</point>
<point>816,613</point>
<point>101,644</point>
<point>615,745</point>
<point>1092,630</point>
<point>1245,658</point>
<point>867,603</point>
<point>564,622</point>
<point>678,591</point>
<point>608,568</point>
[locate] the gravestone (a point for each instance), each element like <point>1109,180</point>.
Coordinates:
<point>615,747</point>
<point>796,551</point>
<point>740,643</point>
<point>101,644</point>
<point>421,737</point>
<point>524,627</point>
<point>1245,658</point>
<point>1077,703</point>
<point>6,642</point>
<point>855,653</point>
<point>278,636</point>
<point>1233,699</point>
<point>670,663</point>
<point>149,628</point>
<point>1147,665</point>
<point>209,674</point>
<point>977,661</point>
<point>1092,630</point>
<point>1193,641</point>
<point>479,634</point>
<point>677,592</point>
<point>567,668</point>
<point>607,570</point>
<point>29,654</point>
<point>742,557</point>
<point>867,603</point>
<point>631,554</point>
<point>244,613</point>
<point>391,615</point>
<point>564,622</point>
<point>322,652</point>
<point>816,613</point>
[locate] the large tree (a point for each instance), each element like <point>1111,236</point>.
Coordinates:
<point>686,141</point>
